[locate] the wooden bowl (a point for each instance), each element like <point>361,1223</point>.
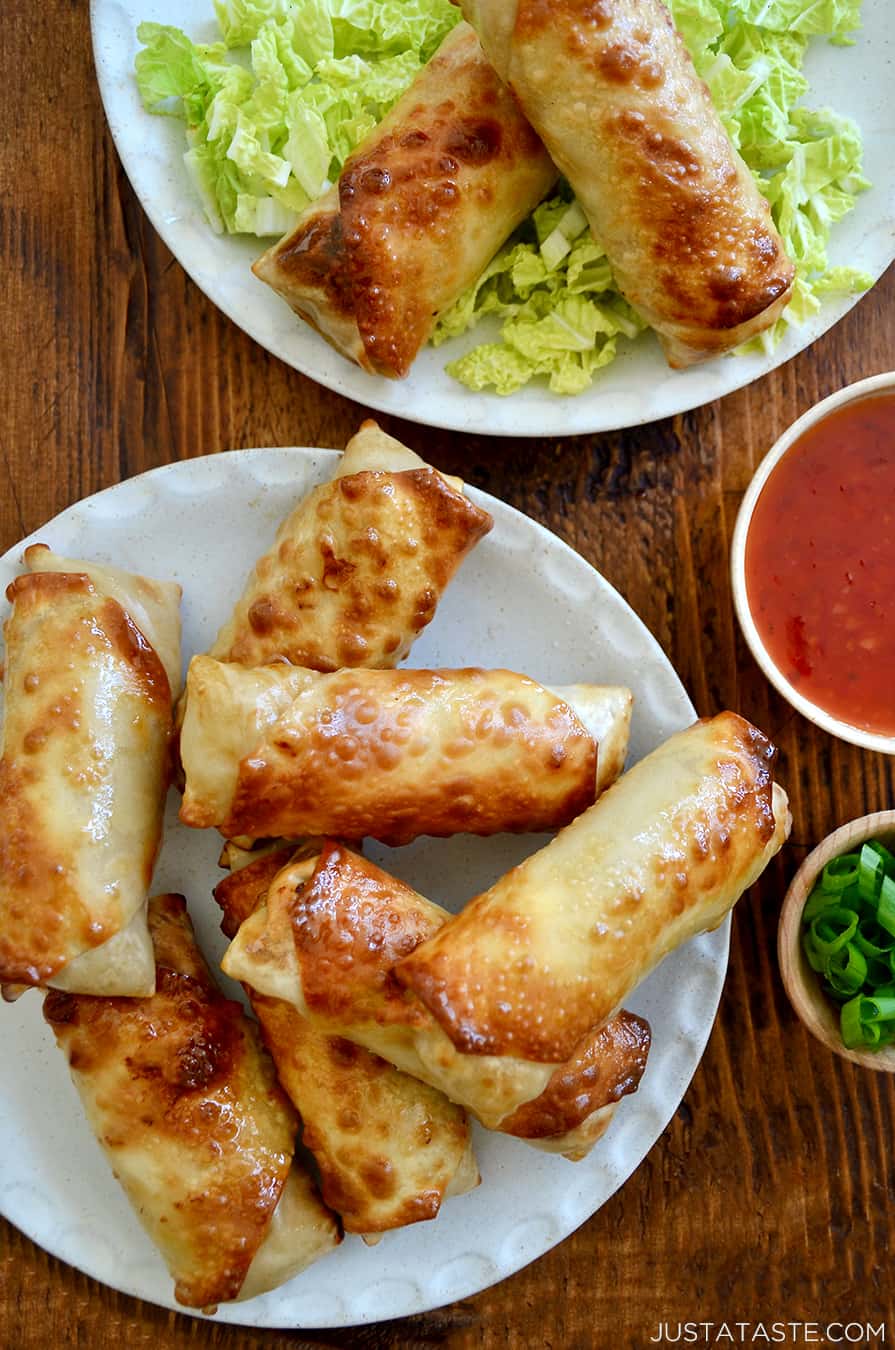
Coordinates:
<point>802,984</point>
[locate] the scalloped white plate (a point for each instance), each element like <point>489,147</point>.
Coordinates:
<point>523,599</point>
<point>638,387</point>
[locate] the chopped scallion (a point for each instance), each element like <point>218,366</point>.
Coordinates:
<point>839,874</point>
<point>848,937</point>
<point>832,930</point>
<point>870,870</point>
<point>847,970</point>
<point>885,913</point>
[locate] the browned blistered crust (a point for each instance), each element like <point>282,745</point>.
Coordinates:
<point>45,919</point>
<point>352,923</point>
<point>35,593</point>
<point>423,205</point>
<point>606,1067</point>
<point>485,975</point>
<point>690,238</point>
<point>397,754</point>
<point>181,1077</point>
<point>240,893</point>
<point>387,1146</point>
<point>42,914</point>
<point>360,574</point>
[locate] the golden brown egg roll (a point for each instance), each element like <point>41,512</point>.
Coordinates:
<point>552,949</point>
<point>420,209</point>
<point>327,945</point>
<point>186,1106</point>
<point>92,663</point>
<point>280,750</point>
<point>357,569</point>
<point>389,1149</point>
<point>610,87</point>
<point>577,1104</point>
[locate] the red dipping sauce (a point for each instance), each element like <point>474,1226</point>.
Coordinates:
<point>820,564</point>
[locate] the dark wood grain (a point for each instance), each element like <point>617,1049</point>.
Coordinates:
<point>770,1194</point>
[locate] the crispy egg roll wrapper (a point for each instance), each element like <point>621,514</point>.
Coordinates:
<point>604,1068</point>
<point>553,948</point>
<point>281,750</point>
<point>154,606</point>
<point>358,567</point>
<point>389,1149</point>
<point>420,209</point>
<point>611,88</point>
<point>328,946</point>
<point>92,660</point>
<point>185,1103</point>
<point>233,857</point>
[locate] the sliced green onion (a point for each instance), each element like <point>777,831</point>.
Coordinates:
<point>851,898</point>
<point>839,874</point>
<point>870,870</point>
<point>817,902</point>
<point>885,913</point>
<point>848,937</point>
<point>887,857</point>
<point>814,959</point>
<point>860,1029</point>
<point>846,971</point>
<point>850,1023</point>
<point>873,940</point>
<point>879,973</point>
<point>832,930</point>
<point>878,1009</point>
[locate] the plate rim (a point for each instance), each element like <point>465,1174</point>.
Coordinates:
<point>233,1312</point>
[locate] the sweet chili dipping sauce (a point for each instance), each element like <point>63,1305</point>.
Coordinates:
<point>820,564</point>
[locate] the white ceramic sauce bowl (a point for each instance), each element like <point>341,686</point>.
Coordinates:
<point>844,730</point>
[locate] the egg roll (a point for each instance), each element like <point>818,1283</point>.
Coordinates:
<point>328,944</point>
<point>553,948</point>
<point>388,1148</point>
<point>420,209</point>
<point>185,1104</point>
<point>358,567</point>
<point>611,88</point>
<point>92,665</point>
<point>280,750</point>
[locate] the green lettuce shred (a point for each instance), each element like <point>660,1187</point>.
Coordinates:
<point>274,109</point>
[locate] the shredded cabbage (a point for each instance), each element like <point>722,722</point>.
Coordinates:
<point>270,126</point>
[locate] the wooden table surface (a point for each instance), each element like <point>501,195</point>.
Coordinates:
<point>769,1197</point>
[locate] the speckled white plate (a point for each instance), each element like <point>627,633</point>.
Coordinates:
<point>523,599</point>
<point>638,387</point>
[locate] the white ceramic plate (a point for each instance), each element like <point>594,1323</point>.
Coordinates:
<point>638,387</point>
<point>523,599</point>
